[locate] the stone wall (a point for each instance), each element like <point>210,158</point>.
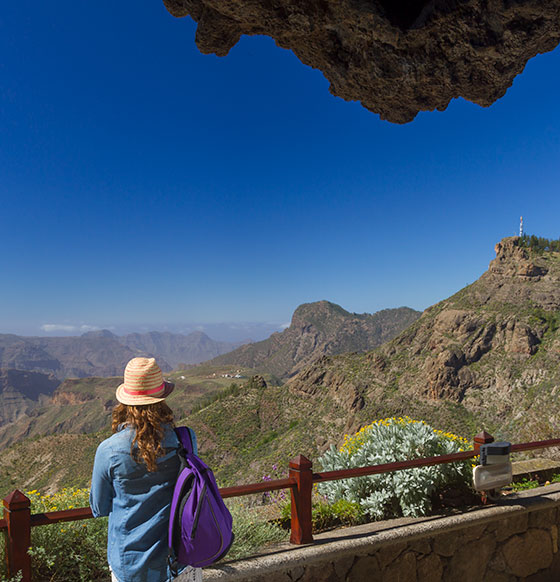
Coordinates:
<point>512,541</point>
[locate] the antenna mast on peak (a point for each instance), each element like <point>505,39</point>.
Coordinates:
<point>521,226</point>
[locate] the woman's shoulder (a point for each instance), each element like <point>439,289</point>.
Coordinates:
<point>123,437</point>
<point>170,438</point>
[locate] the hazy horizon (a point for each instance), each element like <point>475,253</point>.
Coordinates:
<point>223,331</point>
<point>230,331</point>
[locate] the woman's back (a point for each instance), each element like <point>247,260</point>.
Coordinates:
<point>134,475</point>
<point>138,502</point>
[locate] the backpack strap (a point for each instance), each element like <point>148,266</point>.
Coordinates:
<point>185,439</point>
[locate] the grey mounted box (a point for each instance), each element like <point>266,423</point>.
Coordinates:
<point>495,453</point>
<point>495,469</point>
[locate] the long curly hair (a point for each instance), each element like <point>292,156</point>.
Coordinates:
<point>148,421</point>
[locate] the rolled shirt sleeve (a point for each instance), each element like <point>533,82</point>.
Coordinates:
<point>102,491</point>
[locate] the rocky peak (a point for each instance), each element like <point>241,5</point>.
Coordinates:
<point>199,335</point>
<point>514,260</point>
<point>317,329</point>
<point>509,248</point>
<point>105,333</point>
<point>317,313</point>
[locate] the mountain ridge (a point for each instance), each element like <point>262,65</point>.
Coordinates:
<point>494,339</point>
<point>102,353</point>
<point>488,357</point>
<point>316,329</point>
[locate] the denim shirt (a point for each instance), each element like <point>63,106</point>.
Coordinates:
<point>138,503</point>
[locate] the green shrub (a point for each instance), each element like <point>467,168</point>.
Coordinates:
<point>525,484</point>
<point>407,492</point>
<point>3,575</point>
<point>341,512</point>
<point>326,515</point>
<point>539,244</point>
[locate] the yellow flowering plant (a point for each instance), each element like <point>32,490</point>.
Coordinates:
<point>407,492</point>
<point>72,550</point>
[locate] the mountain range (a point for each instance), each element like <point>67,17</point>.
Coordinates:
<point>102,353</point>
<point>316,328</point>
<point>488,357</point>
<point>83,405</point>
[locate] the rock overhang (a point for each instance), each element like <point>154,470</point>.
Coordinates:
<point>396,57</point>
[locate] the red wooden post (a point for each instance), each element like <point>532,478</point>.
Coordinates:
<point>17,514</point>
<point>301,525</point>
<point>482,438</point>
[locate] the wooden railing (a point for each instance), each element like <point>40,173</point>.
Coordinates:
<point>18,519</point>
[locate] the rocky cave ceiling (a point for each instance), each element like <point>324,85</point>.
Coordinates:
<point>396,57</point>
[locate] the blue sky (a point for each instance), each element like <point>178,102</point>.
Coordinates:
<point>144,183</point>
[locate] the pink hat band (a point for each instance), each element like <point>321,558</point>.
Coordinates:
<point>142,392</point>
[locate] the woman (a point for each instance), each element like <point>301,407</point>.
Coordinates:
<point>134,475</point>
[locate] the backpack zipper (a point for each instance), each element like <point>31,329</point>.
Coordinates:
<point>221,536</point>
<point>197,514</point>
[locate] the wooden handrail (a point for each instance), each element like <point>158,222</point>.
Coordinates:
<point>18,520</point>
<point>263,487</point>
<point>390,467</point>
<point>535,445</point>
<point>80,513</point>
<point>58,516</point>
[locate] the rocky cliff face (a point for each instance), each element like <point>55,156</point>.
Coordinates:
<point>396,57</point>
<point>318,329</point>
<point>491,352</point>
<point>21,392</point>
<point>92,354</point>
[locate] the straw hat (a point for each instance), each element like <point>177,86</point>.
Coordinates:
<point>143,383</point>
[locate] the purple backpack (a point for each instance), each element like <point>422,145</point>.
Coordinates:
<point>200,525</point>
